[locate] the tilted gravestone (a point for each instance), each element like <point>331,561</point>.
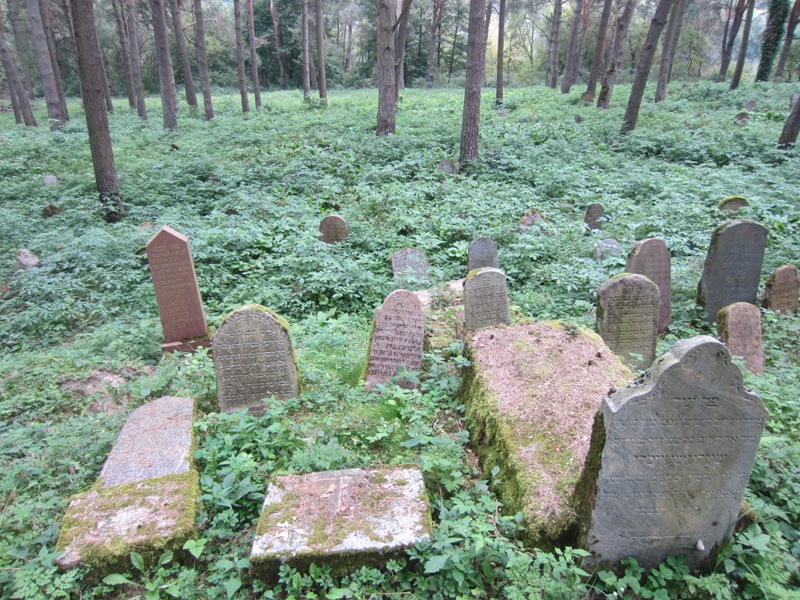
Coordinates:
<point>398,336</point>
<point>177,293</point>
<point>739,328</point>
<point>733,204</point>
<point>627,318</point>
<point>333,229</point>
<point>651,257</point>
<point>482,253</point>
<point>781,290</point>
<point>594,216</point>
<point>486,299</point>
<point>253,359</point>
<point>410,267</point>
<point>669,459</point>
<point>733,266</point>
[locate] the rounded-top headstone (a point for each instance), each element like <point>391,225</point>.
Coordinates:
<point>733,266</point>
<point>253,359</point>
<point>739,328</point>
<point>607,247</point>
<point>486,299</point>
<point>750,105</point>
<point>333,229</point>
<point>594,216</point>
<point>781,290</point>
<point>482,253</point>
<point>651,257</point>
<point>733,203</point>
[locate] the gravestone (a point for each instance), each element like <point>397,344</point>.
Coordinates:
<point>627,318</point>
<point>51,210</point>
<point>733,204</point>
<point>739,328</point>
<point>486,299</point>
<point>333,229</point>
<point>50,180</point>
<point>669,461</point>
<point>177,293</point>
<point>742,118</point>
<point>750,105</point>
<point>26,260</point>
<point>410,267</point>
<point>733,266</point>
<point>651,257</point>
<point>594,216</point>
<point>607,247</point>
<point>398,336</point>
<point>482,253</point>
<point>781,290</point>
<point>448,166</point>
<point>253,359</point>
<point>145,496</point>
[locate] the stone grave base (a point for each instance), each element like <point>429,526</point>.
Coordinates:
<point>531,394</point>
<point>186,345</point>
<point>345,519</point>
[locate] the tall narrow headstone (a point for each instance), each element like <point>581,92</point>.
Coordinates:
<point>594,216</point>
<point>739,328</point>
<point>669,459</point>
<point>398,336</point>
<point>486,299</point>
<point>410,267</point>
<point>627,318</point>
<point>253,359</point>
<point>177,293</point>
<point>781,290</point>
<point>651,257</point>
<point>733,266</point>
<point>333,229</point>
<point>482,253</point>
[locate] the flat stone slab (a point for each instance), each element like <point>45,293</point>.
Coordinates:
<point>145,498</point>
<point>531,394</point>
<point>345,519</point>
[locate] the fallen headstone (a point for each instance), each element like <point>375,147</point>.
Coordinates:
<point>253,359</point>
<point>145,497</point>
<point>733,266</point>
<point>410,267</point>
<point>651,257</point>
<point>739,328</point>
<point>607,247</point>
<point>733,204</point>
<point>26,260</point>
<point>482,253</point>
<point>398,335</point>
<point>180,306</point>
<point>594,216</point>
<point>670,457</point>
<point>344,519</point>
<point>333,229</point>
<point>486,299</point>
<point>781,290</point>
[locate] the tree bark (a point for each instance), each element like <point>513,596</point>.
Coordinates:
<point>729,39</point>
<point>22,41</point>
<point>476,57</point>
<point>773,32</point>
<point>348,53</point>
<point>384,73</point>
<point>237,25</point>
<point>501,34</point>
<point>645,62</point>
<point>165,75</point>
<point>251,32</point>
<point>54,111</point>
<point>136,62</point>
<point>44,9</point>
<point>668,48</point>
<point>623,24</point>
<point>748,23</point>
<point>202,59</point>
<point>89,61</point>
<point>794,17</point>
<point>323,83</point>
<point>183,56</point>
<point>19,98</point>
<point>306,51</point>
<point>570,70</point>
<point>436,22</point>
<point>276,29</point>
<point>599,52</point>
<point>126,52</point>
<point>106,89</point>
<point>791,128</point>
<point>551,77</point>
<point>312,62</point>
<point>401,35</point>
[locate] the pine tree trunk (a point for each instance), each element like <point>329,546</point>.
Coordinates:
<point>312,66</point>
<point>136,62</point>
<point>348,53</point>
<point>668,48</point>
<point>44,9</point>
<point>323,81</point>
<point>22,41</point>
<point>251,33</point>
<point>202,60</point>
<point>610,77</point>
<point>306,51</point>
<point>476,57</point>
<point>773,32</point>
<point>748,23</point>
<point>54,112</point>
<point>570,70</point>
<point>791,128</point>
<point>794,17</point>
<point>501,34</point>
<point>165,75</point>
<point>436,22</point>
<point>183,56</point>
<point>237,25</point>
<point>384,73</point>
<point>106,89</point>
<point>89,61</point>
<point>400,46</point>
<point>18,96</point>
<point>645,62</point>
<point>599,53</point>
<point>551,77</point>
<point>126,52</point>
<point>729,39</point>
<point>276,28</point>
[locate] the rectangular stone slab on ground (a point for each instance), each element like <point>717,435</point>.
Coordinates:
<point>145,497</point>
<point>531,394</point>
<point>345,519</point>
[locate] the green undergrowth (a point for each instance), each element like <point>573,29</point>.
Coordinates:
<point>80,335</point>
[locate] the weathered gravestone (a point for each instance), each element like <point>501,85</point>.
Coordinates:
<point>733,204</point>
<point>145,497</point>
<point>482,253</point>
<point>651,258</point>
<point>333,229</point>
<point>739,328</point>
<point>750,105</point>
<point>398,336</point>
<point>627,318</point>
<point>733,266</point>
<point>253,359</point>
<point>177,293</point>
<point>486,299</point>
<point>448,166</point>
<point>410,267</point>
<point>781,290</point>
<point>670,457</point>
<point>607,247</point>
<point>26,260</point>
<point>594,216</point>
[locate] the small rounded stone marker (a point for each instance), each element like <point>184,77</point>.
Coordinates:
<point>333,228</point>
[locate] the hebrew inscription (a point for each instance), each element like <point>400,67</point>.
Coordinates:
<point>652,258</point>
<point>486,299</point>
